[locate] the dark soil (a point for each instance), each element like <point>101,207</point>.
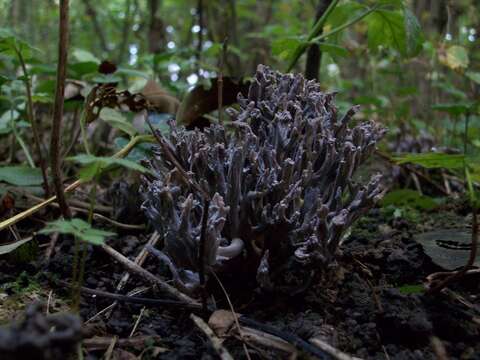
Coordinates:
<point>371,305</point>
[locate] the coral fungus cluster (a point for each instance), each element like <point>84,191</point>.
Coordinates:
<point>278,178</point>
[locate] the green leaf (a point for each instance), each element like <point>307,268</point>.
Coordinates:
<point>88,172</point>
<point>433,160</point>
<point>8,248</point>
<point>115,119</point>
<point>285,47</point>
<point>6,121</point>
<point>10,44</point>
<point>96,164</point>
<point>3,80</point>
<point>474,76</point>
<point>454,108</point>
<point>333,49</point>
<point>84,56</point>
<point>395,29</point>
<point>413,33</point>
<point>132,73</point>
<point>410,198</point>
<point>80,69</point>
<point>411,289</point>
<point>78,228</point>
<point>21,175</point>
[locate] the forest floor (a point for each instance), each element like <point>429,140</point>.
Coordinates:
<point>374,307</point>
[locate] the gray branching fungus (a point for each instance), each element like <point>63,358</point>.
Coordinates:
<point>279,177</point>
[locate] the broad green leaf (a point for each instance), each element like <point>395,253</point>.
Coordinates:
<point>116,119</point>
<point>21,175</point>
<point>6,121</point>
<point>78,228</point>
<point>84,56</point>
<point>333,49</point>
<point>3,80</point>
<point>396,29</point>
<point>285,47</point>
<point>103,162</point>
<point>132,73</point>
<point>10,44</point>
<point>433,160</point>
<point>88,172</point>
<point>8,248</point>
<point>453,109</point>
<point>341,14</point>
<point>474,76</point>
<point>80,69</point>
<point>408,197</point>
<point>103,79</point>
<point>413,33</point>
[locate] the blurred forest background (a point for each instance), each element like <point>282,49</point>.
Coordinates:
<point>412,65</point>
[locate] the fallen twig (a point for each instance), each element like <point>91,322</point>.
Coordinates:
<point>329,349</point>
<point>216,342</point>
<point>140,259</point>
<point>438,348</point>
<point>138,300</point>
<point>148,276</point>
<point>289,337</point>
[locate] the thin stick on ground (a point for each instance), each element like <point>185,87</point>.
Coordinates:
<point>139,260</point>
<point>56,161</point>
<point>148,276</point>
<point>289,337</point>
<point>216,342</point>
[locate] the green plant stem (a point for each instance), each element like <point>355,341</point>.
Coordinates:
<point>31,119</point>
<point>22,143</point>
<point>465,138</point>
<point>313,33</point>
<point>83,129</point>
<point>344,26</point>
<point>83,258</point>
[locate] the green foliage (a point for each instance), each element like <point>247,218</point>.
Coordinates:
<point>397,29</point>
<point>8,248</point>
<point>21,175</point>
<point>433,160</point>
<point>411,289</point>
<point>12,46</point>
<point>410,198</point>
<point>116,119</point>
<point>454,109</point>
<point>79,229</point>
<point>96,164</point>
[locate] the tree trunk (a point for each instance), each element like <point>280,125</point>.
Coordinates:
<point>314,55</point>
<point>156,32</point>
<point>92,14</point>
